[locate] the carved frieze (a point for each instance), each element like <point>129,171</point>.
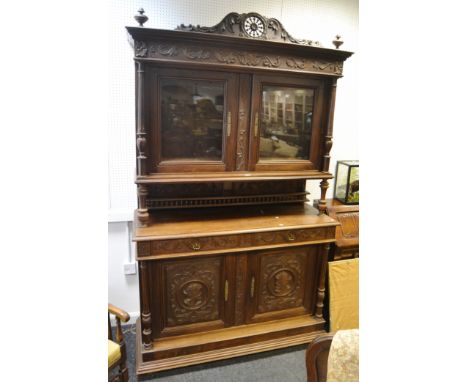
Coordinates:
<point>159,247</point>
<point>234,57</point>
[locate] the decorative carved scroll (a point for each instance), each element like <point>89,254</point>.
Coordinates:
<point>234,24</point>
<point>241,152</point>
<point>246,58</point>
<point>141,50</point>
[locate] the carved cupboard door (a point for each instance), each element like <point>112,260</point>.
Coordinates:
<point>282,283</point>
<point>191,295</point>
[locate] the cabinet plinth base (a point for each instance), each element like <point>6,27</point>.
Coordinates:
<point>174,352</point>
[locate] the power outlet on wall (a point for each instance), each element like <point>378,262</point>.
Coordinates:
<point>130,268</point>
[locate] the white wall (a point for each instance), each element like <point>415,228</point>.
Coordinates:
<point>313,19</point>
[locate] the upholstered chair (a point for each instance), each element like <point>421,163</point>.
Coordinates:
<point>117,356</point>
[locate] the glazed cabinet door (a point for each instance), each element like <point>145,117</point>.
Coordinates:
<point>191,295</point>
<point>286,123</point>
<point>282,283</point>
<point>192,119</point>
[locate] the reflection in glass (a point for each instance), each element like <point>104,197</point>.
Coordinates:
<point>192,119</point>
<point>286,122</point>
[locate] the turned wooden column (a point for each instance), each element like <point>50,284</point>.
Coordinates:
<point>142,212</point>
<point>145,307</point>
<point>321,285</point>
<point>322,204</point>
<point>140,121</point>
<point>328,142</point>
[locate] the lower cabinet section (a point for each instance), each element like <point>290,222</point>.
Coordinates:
<point>209,307</point>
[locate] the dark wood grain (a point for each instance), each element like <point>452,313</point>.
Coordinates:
<point>232,261</point>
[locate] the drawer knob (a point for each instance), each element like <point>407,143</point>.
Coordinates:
<point>196,245</point>
<point>291,236</point>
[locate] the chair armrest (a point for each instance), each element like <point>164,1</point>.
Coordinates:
<point>317,358</point>
<point>121,314</point>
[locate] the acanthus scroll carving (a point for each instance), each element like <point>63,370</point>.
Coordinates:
<point>235,57</point>
<point>295,63</point>
<point>334,66</point>
<point>141,50</point>
<point>247,59</point>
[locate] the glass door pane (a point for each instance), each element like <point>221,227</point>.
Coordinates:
<point>286,122</point>
<point>192,115</point>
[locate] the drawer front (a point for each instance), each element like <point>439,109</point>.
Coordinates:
<point>216,243</point>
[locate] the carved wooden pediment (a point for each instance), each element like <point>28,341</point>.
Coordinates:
<point>249,25</point>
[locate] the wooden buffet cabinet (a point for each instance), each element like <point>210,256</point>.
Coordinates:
<point>231,121</point>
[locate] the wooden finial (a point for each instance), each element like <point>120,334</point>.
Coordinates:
<point>337,42</point>
<point>141,18</point>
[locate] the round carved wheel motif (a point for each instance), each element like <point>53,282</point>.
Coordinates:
<point>254,26</point>
<point>193,295</point>
<point>282,282</point>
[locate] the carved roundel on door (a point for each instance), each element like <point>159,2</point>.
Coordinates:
<point>193,295</point>
<point>282,282</point>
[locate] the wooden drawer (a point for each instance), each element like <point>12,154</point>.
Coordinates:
<point>238,241</point>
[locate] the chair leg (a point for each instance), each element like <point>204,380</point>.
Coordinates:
<point>116,378</point>
<point>123,372</point>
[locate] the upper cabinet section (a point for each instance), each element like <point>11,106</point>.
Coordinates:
<point>241,99</point>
